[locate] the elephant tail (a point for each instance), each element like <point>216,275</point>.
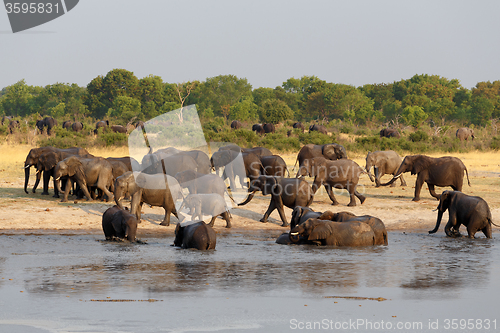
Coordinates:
<point>489,220</point>
<point>467,173</point>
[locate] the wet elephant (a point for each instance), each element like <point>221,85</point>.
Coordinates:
<point>119,223</point>
<point>470,211</point>
<point>441,171</point>
<point>196,235</point>
<point>383,163</point>
<point>320,232</point>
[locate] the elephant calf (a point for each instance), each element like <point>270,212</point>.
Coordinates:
<point>319,232</point>
<point>197,235</point>
<point>472,212</point>
<point>119,223</point>
<point>207,204</point>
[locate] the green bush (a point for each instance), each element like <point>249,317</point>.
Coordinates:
<point>419,136</point>
<point>346,129</point>
<point>495,143</point>
<point>112,139</point>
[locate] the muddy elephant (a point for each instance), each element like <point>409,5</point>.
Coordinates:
<point>207,204</point>
<point>319,232</point>
<point>47,167</point>
<point>77,126</point>
<point>375,223</point>
<point>318,128</point>
<point>389,133</point>
<point>236,124</point>
<point>441,171</point>
<point>101,124</point>
<point>13,124</point>
<point>156,190</point>
<point>274,165</point>
<point>383,163</point>
<point>196,235</point>
<point>472,212</point>
<point>465,133</point>
<point>330,151</point>
<point>299,126</point>
<point>269,128</point>
<point>258,128</point>
<point>119,223</point>
<point>86,172</point>
<point>48,122</point>
<point>341,174</point>
<point>289,192</point>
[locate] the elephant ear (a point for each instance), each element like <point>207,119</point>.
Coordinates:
<point>75,167</point>
<point>320,231</point>
<point>445,200</point>
<point>420,163</point>
<point>50,161</point>
<point>329,152</point>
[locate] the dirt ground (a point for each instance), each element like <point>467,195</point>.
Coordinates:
<point>30,213</point>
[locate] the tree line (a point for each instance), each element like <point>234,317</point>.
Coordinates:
<point>122,96</point>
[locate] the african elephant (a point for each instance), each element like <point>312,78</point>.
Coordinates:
<point>101,124</point>
<point>76,126</point>
<point>130,162</point>
<point>320,232</point>
<point>202,160</point>
<point>67,124</point>
<point>441,171</point>
<point>237,164</point>
<point>375,223</point>
<point>119,223</point>
<point>259,151</point>
<point>13,124</point>
<point>197,235</point>
<point>289,192</point>
<point>274,165</point>
<point>207,204</point>
<point>168,164</point>
<point>156,190</point>
<point>389,133</point>
<point>465,133</point>
<point>383,163</point>
<point>472,212</point>
<point>32,160</point>
<point>48,122</point>
<point>269,128</point>
<point>87,172</point>
<point>201,183</point>
<point>299,125</point>
<point>342,174</point>
<point>119,168</point>
<point>236,124</point>
<point>330,151</point>
<point>258,128</point>
<point>301,214</point>
<point>118,129</point>
<point>318,128</point>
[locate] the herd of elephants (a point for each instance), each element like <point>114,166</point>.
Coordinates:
<point>162,176</point>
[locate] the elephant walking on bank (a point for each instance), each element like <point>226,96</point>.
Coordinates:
<point>441,171</point>
<point>473,212</point>
<point>384,163</point>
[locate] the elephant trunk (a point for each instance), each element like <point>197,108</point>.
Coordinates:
<point>438,222</point>
<point>392,180</point>
<point>368,169</point>
<point>248,199</point>
<point>118,193</point>
<point>26,177</point>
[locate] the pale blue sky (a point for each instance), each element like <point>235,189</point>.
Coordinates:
<point>351,42</point>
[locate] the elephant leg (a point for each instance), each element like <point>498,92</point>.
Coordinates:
<point>361,197</point>
<point>418,187</point>
<point>46,180</point>
<point>212,221</point>
<point>328,189</point>
<point>487,230</point>
<point>432,190</point>
<point>282,215</point>
<point>377,176</point>
<point>101,184</point>
<point>37,181</point>
<point>85,190</point>
<point>270,209</point>
<point>225,216</point>
<point>403,182</point>
<point>56,191</point>
<point>166,219</point>
<point>351,188</point>
<point>66,192</point>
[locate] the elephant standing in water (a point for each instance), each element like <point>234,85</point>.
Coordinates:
<point>472,212</point>
<point>119,223</point>
<point>383,163</point>
<point>196,235</point>
<point>441,171</point>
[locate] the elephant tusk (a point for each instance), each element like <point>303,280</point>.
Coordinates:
<point>58,178</point>
<point>435,209</point>
<point>27,166</point>
<point>396,177</point>
<point>294,233</point>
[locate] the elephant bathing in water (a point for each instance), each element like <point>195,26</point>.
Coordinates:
<point>196,235</point>
<point>119,223</point>
<point>441,171</point>
<point>472,212</point>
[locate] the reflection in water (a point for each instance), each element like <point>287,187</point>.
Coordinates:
<point>423,266</point>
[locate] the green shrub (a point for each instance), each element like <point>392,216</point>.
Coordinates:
<point>346,129</point>
<point>495,143</point>
<point>419,136</point>
<point>112,139</point>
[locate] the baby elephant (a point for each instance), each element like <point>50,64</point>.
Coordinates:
<point>472,212</point>
<point>198,235</point>
<point>207,204</point>
<point>319,232</point>
<point>119,223</point>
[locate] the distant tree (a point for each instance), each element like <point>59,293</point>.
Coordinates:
<point>275,111</point>
<point>244,110</point>
<point>152,97</point>
<point>124,109</point>
<point>414,116</point>
<point>19,99</point>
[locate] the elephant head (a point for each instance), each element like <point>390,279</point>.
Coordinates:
<point>69,167</point>
<point>334,151</point>
<point>179,235</point>
<point>411,163</point>
<point>444,203</point>
<point>119,223</point>
<point>123,185</point>
<point>297,213</point>
<point>312,230</point>
<point>32,160</point>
